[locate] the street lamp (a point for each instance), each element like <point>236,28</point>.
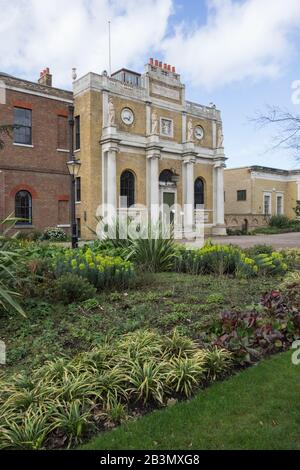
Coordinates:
<point>73,167</point>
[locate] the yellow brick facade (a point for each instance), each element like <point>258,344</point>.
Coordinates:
<point>281,187</point>
<point>109,146</point>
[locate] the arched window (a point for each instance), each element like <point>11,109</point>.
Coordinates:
<point>166,176</point>
<point>128,187</point>
<point>23,207</point>
<point>199,192</point>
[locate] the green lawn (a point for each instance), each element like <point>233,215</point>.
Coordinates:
<point>160,301</point>
<point>257,409</point>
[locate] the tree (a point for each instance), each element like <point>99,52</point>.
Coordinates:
<point>287,125</point>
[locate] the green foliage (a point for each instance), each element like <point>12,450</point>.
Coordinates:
<point>185,374</point>
<point>279,221</point>
<point>292,258</point>
<point>153,252</point>
<point>66,398</point>
<point>8,263</point>
<point>73,419</point>
<point>218,361</point>
<point>216,259</point>
<point>70,288</point>
<point>230,260</point>
<point>101,271</point>
<point>54,234</point>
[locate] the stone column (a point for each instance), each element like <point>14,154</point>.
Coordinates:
<point>154,186</point>
<point>189,201</point>
<point>220,228</point>
<point>112,176</point>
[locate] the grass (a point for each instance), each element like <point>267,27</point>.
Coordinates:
<point>256,409</point>
<point>160,301</point>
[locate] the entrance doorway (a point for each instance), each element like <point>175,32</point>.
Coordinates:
<point>169,201</point>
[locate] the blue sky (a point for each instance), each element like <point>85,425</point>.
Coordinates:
<point>240,54</point>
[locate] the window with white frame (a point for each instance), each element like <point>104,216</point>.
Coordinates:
<point>267,204</point>
<point>279,204</point>
<point>166,127</point>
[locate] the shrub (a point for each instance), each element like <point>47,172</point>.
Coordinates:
<point>258,250</point>
<point>216,259</point>
<point>153,254</point>
<point>279,221</point>
<point>229,260</point>
<point>292,258</point>
<point>101,271</point>
<point>70,288</point>
<point>54,234</point>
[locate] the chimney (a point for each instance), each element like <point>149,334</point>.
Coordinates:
<point>45,77</point>
<point>151,61</point>
<point>173,69</point>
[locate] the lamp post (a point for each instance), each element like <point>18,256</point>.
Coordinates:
<point>73,167</point>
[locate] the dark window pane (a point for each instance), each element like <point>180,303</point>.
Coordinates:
<point>128,187</point>
<point>199,192</point>
<point>242,195</point>
<point>166,176</point>
<point>23,121</point>
<point>77,132</point>
<point>23,208</point>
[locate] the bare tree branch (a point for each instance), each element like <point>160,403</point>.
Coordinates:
<point>287,125</point>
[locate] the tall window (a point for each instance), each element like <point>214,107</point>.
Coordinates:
<point>78,189</point>
<point>267,204</point>
<point>23,129</point>
<point>199,192</point>
<point>77,132</point>
<point>23,208</point>
<point>279,205</point>
<point>242,195</point>
<point>128,187</point>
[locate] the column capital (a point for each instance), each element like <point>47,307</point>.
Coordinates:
<point>188,160</point>
<point>154,156</point>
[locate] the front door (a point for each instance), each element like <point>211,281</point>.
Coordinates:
<point>169,200</point>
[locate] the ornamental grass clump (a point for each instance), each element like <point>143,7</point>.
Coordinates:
<point>65,400</point>
<point>101,271</point>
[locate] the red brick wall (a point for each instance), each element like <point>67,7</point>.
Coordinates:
<point>41,169</point>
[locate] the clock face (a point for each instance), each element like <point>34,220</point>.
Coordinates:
<point>199,132</point>
<point>127,116</point>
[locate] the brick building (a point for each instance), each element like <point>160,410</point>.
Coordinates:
<point>34,179</point>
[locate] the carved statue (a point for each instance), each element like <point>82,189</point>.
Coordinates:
<point>220,142</point>
<point>154,127</point>
<point>111,113</point>
<point>190,133</point>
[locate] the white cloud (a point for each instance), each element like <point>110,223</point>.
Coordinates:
<point>241,40</point>
<point>63,34</point>
<point>245,39</point>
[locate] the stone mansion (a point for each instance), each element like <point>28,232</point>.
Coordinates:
<point>140,142</point>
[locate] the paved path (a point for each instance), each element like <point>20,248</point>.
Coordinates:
<point>283,240</point>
